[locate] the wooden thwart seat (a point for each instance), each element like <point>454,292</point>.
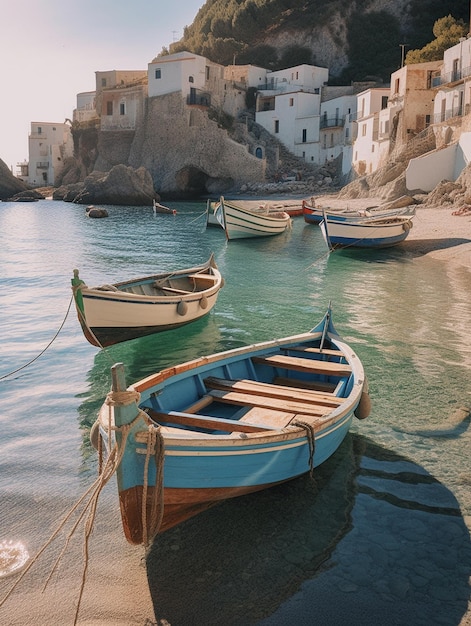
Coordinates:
<point>207,422</point>
<point>274,391</point>
<point>287,405</point>
<point>328,368</point>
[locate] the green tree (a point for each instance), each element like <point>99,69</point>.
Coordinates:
<point>448,32</point>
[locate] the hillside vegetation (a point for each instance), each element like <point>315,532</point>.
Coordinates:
<point>355,39</point>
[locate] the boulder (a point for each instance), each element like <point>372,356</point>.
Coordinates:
<point>122,185</point>
<point>9,184</point>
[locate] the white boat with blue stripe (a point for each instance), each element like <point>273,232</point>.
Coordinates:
<point>228,424</point>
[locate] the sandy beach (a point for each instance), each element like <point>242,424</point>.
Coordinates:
<point>436,231</point>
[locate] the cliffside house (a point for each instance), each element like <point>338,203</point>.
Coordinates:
<point>289,107</point>
<point>120,98</point>
<point>366,153</point>
<point>49,143</point>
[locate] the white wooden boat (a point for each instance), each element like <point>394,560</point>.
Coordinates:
<point>240,222</point>
<point>134,308</point>
<point>227,424</point>
<point>370,232</point>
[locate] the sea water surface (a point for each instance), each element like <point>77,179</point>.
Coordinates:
<point>379,537</point>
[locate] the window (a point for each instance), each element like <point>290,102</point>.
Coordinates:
<point>396,86</point>
<point>277,126</point>
<point>40,130</point>
<point>363,130</point>
<point>109,108</point>
<point>291,102</point>
<point>384,102</point>
<point>191,79</point>
<point>207,73</point>
<point>158,73</point>
<point>304,135</point>
<point>103,82</point>
<point>372,147</point>
<point>122,108</point>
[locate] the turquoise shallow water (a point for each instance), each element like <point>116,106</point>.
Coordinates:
<point>380,538</point>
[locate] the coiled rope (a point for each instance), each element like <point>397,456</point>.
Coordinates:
<point>155,447</point>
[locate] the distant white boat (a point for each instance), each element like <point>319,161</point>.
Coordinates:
<point>240,222</point>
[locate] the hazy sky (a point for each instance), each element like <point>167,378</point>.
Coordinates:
<point>51,49</point>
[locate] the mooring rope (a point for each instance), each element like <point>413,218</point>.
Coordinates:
<point>310,434</point>
<point>89,500</point>
<point>44,350</point>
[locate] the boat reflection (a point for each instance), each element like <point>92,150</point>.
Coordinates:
<point>375,535</point>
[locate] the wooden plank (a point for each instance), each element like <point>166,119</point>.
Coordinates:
<point>316,385</point>
<point>312,366</point>
<point>172,290</point>
<point>274,391</point>
<point>325,351</point>
<point>289,406</point>
<point>202,403</point>
<point>205,421</point>
<point>262,416</point>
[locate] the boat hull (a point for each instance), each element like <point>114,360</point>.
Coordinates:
<point>366,235</point>
<point>283,409</point>
<point>242,223</point>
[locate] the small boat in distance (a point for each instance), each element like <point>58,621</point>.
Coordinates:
<point>110,314</point>
<point>228,424</point>
<point>241,222</point>
<point>160,208</point>
<point>369,232</point>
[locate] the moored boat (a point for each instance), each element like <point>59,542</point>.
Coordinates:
<point>109,314</point>
<point>160,208</point>
<point>228,424</point>
<point>370,232</point>
<point>241,222</point>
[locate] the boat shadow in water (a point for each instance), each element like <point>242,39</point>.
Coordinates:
<point>374,535</point>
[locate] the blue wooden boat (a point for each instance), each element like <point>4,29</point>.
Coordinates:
<point>371,232</point>
<point>228,424</point>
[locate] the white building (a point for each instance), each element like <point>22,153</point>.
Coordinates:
<point>336,130</point>
<point>49,144</point>
<point>289,107</point>
<point>86,107</point>
<point>197,78</point>
<point>453,98</point>
<point>366,152</point>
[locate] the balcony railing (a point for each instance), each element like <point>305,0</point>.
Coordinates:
<point>332,122</point>
<point>451,77</point>
<point>447,115</point>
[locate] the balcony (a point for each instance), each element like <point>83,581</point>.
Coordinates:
<point>444,116</point>
<point>451,77</point>
<point>332,122</point>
